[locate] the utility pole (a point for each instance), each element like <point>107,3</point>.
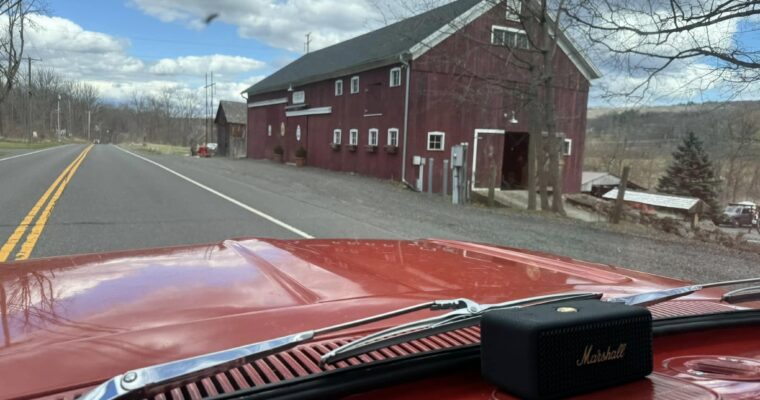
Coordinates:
<point>29,95</point>
<point>205,117</point>
<point>308,42</point>
<point>58,116</point>
<point>89,116</point>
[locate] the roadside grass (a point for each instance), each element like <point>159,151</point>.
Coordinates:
<point>154,148</point>
<point>20,144</point>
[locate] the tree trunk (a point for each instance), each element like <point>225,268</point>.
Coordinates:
<point>549,113</point>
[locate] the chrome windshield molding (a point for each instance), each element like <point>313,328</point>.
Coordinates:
<point>468,315</point>
<point>147,381</point>
<point>651,298</point>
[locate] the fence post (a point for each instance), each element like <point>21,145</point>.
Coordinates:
<point>430,175</point>
<point>445,190</point>
<point>621,196</point>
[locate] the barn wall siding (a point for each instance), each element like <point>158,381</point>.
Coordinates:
<point>456,89</point>
<point>349,111</point>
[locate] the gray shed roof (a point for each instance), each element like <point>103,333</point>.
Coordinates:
<point>234,111</point>
<point>656,199</point>
<point>371,50</point>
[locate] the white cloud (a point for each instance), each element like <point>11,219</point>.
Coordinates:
<point>104,61</point>
<point>198,65</point>
<point>281,24</point>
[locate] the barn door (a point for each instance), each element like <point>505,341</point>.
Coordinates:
<point>488,155</point>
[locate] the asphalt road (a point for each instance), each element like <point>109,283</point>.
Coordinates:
<point>115,200</point>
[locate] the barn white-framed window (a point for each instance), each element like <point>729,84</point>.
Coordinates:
<point>567,147</point>
<point>395,77</point>
<point>393,137</point>
<point>354,85</point>
<point>339,87</point>
<point>337,134</point>
<point>269,130</point>
<point>514,9</point>
<point>353,137</point>
<point>299,97</point>
<point>373,137</point>
<point>509,37</point>
<point>436,141</point>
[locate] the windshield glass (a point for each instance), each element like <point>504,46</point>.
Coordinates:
<point>130,127</point>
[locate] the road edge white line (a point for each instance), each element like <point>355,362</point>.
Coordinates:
<point>32,152</point>
<point>224,196</point>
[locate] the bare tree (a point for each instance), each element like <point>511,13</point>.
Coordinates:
<point>530,85</point>
<point>646,39</point>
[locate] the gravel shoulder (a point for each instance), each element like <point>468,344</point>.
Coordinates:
<point>360,207</point>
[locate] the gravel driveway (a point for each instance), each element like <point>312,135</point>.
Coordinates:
<point>364,207</point>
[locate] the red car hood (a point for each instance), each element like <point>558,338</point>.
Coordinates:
<point>74,321</point>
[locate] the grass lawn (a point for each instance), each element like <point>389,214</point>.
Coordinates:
<point>15,144</point>
<point>157,148</point>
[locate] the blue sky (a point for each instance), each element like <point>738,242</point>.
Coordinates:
<point>128,47</point>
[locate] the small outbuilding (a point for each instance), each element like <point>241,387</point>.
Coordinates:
<point>665,205</point>
<point>231,118</point>
<point>599,183</point>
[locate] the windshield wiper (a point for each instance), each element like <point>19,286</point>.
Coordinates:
<point>470,316</point>
<point>659,296</point>
<point>155,379</point>
<point>743,295</point>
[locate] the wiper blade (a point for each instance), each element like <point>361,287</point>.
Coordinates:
<point>469,315</point>
<point>659,296</point>
<point>743,295</point>
<point>146,381</point>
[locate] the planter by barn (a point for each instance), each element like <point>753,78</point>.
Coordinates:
<point>415,88</point>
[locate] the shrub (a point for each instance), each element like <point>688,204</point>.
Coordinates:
<point>278,150</point>
<point>301,152</point>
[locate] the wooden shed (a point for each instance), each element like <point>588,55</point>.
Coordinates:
<point>231,129</point>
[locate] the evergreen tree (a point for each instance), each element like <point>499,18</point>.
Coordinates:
<point>691,174</point>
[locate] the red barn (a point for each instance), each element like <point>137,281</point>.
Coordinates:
<point>415,88</point>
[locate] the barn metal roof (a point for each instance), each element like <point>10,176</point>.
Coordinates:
<point>234,111</point>
<point>387,45</point>
<point>656,199</point>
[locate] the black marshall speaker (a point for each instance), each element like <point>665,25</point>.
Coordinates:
<point>563,349</point>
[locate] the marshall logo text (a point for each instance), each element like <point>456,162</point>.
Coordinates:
<point>595,356</point>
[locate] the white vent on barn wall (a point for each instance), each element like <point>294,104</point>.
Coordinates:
<point>299,97</point>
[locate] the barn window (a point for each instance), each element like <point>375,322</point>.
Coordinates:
<point>567,147</point>
<point>337,136</point>
<point>509,37</point>
<point>514,9</point>
<point>395,77</point>
<point>269,130</point>
<point>339,87</point>
<point>436,141</point>
<point>372,139</point>
<point>354,85</point>
<point>393,137</point>
<point>353,137</point>
<point>299,97</point>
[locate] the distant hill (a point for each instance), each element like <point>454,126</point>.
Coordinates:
<point>645,137</point>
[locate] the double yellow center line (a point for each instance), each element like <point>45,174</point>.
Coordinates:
<point>48,200</point>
